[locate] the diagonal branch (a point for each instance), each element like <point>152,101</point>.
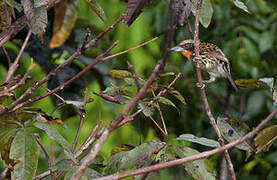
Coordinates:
<point>192,158</point>
<point>107,131</point>
<point>203,94</point>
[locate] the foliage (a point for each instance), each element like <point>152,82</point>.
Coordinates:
<point>168,122</point>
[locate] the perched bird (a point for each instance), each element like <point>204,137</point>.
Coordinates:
<point>212,59</point>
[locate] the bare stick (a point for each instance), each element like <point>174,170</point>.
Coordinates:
<point>131,49</point>
<point>82,116</point>
<point>202,155</point>
<point>7,56</point>
<point>15,64</point>
<point>203,94</point>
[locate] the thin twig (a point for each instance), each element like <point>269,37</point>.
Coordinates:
<point>62,86</point>
<point>30,91</point>
<point>82,116</point>
<point>202,155</point>
<point>47,157</point>
<point>6,92</point>
<point>131,49</point>
<point>203,94</point>
<point>15,64</point>
<point>7,56</point>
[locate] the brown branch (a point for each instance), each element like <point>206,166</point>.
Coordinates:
<point>15,64</point>
<point>78,52</point>
<point>107,131</point>
<point>62,86</point>
<point>7,56</point>
<point>203,94</point>
<point>131,49</point>
<point>6,92</point>
<point>202,155</point>
<point>82,116</point>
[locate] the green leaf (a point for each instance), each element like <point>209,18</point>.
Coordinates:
<point>14,4</point>
<point>54,134</point>
<point>39,21</point>
<point>266,41</point>
<point>178,95</point>
<point>114,162</point>
<point>265,138</point>
<point>202,140</point>
<point>77,104</point>
<point>275,96</point>
<point>25,151</point>
<point>268,81</point>
<point>251,50</point>
<point>206,12</point>
<point>120,74</point>
<point>232,129</point>
<point>244,83</point>
<point>197,169</point>
<point>252,33</point>
<point>166,101</point>
<point>136,157</point>
<point>139,155</point>
<point>89,174</point>
<point>147,108</point>
<point>240,5</point>
<point>95,7</point>
<point>6,134</point>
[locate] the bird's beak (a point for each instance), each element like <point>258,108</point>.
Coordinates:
<point>177,48</point>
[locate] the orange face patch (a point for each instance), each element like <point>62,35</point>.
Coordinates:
<point>187,54</point>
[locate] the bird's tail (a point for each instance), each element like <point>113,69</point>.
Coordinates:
<point>233,83</point>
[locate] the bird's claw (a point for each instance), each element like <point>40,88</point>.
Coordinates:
<point>196,59</point>
<point>199,86</point>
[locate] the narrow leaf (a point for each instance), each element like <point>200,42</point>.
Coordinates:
<point>240,5</point>
<point>265,138</point>
<point>95,7</point>
<point>65,18</point>
<point>268,81</point>
<point>202,140</point>
<point>147,108</point>
<point>275,96</point>
<point>206,12</point>
<point>232,129</point>
<point>244,83</point>
<point>166,101</point>
<point>178,95</point>
<point>133,10</point>
<point>120,74</point>
<point>14,4</point>
<point>54,134</point>
<point>38,21</point>
<point>25,151</point>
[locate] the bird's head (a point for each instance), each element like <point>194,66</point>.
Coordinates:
<point>186,48</point>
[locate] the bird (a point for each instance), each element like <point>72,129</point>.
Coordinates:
<point>212,59</point>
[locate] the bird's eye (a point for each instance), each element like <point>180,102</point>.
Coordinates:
<point>186,46</point>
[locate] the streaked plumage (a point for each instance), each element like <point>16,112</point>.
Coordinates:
<point>212,60</point>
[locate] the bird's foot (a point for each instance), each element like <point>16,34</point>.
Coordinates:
<point>199,86</point>
<point>196,59</point>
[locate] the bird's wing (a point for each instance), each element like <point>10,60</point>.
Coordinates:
<point>218,54</point>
